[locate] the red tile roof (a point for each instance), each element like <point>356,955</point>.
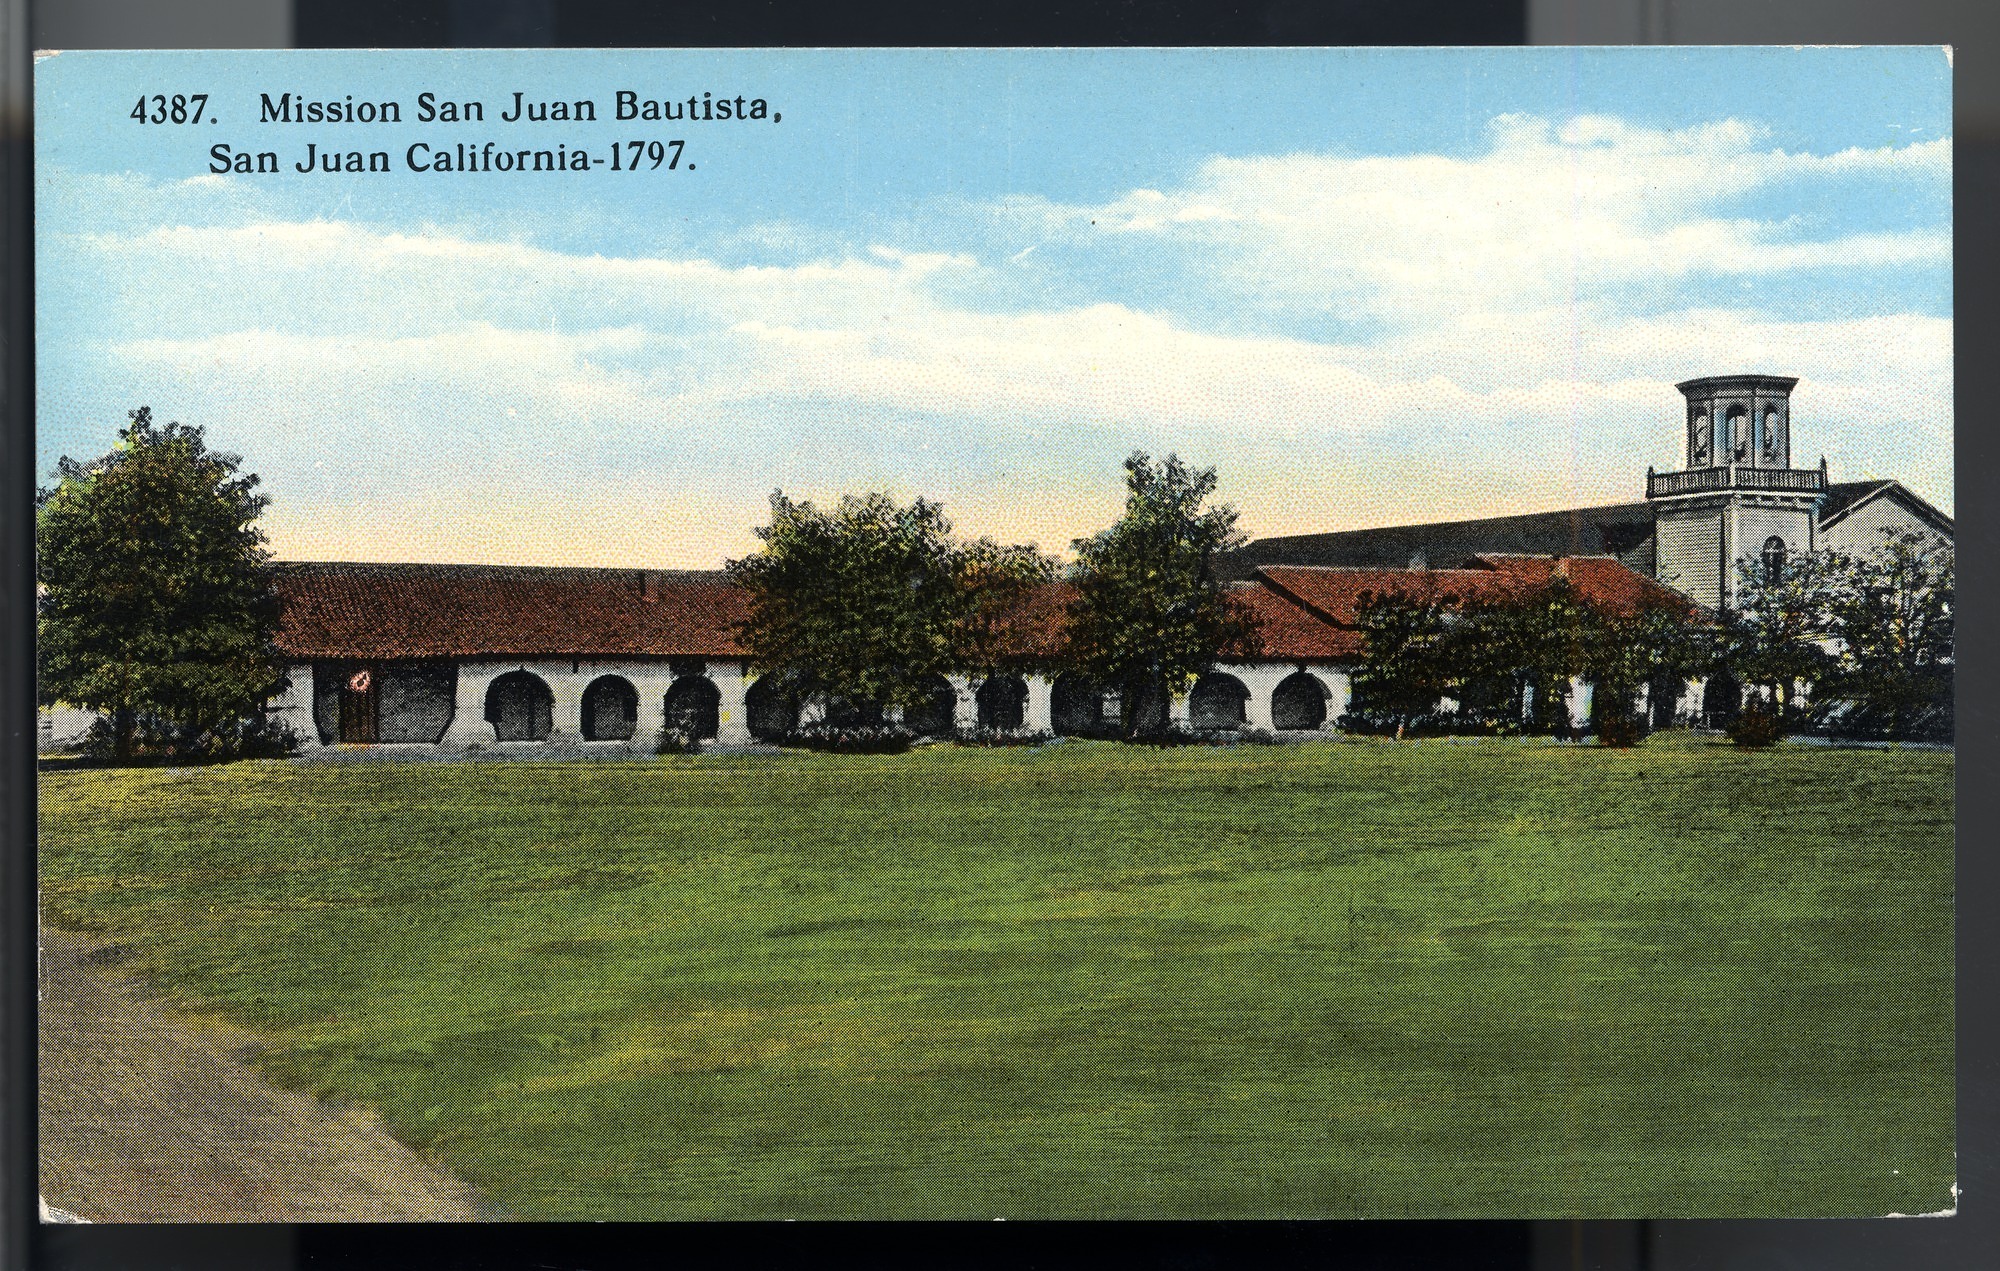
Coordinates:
<point>429,611</point>
<point>1287,632</point>
<point>1305,613</point>
<point>1335,594</point>
<point>1600,580</point>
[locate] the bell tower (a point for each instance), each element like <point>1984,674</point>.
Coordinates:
<point>1739,499</point>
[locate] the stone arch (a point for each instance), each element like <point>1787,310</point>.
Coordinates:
<point>771,709</point>
<point>937,715</point>
<point>1076,706</point>
<point>1003,703</point>
<point>1217,701</point>
<point>610,709</point>
<point>1299,703</point>
<point>520,707</point>
<point>694,702</point>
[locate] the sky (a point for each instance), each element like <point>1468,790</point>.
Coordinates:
<point>1370,287</point>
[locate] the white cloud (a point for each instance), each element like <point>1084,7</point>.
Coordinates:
<point>429,369</point>
<point>1549,212</point>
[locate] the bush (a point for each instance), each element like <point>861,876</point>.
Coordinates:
<point>1620,730</point>
<point>1367,723</point>
<point>1001,739</point>
<point>1756,727</point>
<point>677,737</point>
<point>851,739</point>
<point>159,741</point>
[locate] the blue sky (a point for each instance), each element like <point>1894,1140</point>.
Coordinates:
<point>1370,286</point>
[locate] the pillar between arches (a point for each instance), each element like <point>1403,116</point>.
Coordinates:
<point>1039,716</point>
<point>733,718</point>
<point>468,707</point>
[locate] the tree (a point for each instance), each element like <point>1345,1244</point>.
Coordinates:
<point>1149,614</point>
<point>1661,640</point>
<point>154,605</point>
<point>1408,660</point>
<point>1892,624</point>
<point>1778,633</point>
<point>867,602</point>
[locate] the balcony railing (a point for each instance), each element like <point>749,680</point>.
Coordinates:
<point>1735,477</point>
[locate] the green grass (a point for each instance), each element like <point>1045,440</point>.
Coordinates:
<point>1319,980</point>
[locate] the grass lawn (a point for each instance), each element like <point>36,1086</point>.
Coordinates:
<point>1340,979</point>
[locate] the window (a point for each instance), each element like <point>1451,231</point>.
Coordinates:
<point>1773,558</point>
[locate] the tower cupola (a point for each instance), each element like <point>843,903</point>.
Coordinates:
<point>1741,420</point>
<point>1739,503</point>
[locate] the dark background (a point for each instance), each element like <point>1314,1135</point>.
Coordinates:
<point>1973,26</point>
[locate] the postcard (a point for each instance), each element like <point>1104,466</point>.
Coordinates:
<point>973,634</point>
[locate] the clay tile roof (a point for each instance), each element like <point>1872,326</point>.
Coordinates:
<point>1600,580</point>
<point>1335,593</point>
<point>1287,632</point>
<point>431,611</point>
<point>1034,628</point>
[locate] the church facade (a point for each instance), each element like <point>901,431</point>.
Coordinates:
<point>1738,499</point>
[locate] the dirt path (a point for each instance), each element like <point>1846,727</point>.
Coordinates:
<point>148,1116</point>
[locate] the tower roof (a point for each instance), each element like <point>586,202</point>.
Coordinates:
<point>1715,385</point>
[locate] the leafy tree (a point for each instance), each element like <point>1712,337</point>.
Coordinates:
<point>1408,658</point>
<point>1661,640</point>
<point>1778,633</point>
<point>153,604</point>
<point>1149,614</point>
<point>1505,652</point>
<point>1891,618</point>
<point>869,600</point>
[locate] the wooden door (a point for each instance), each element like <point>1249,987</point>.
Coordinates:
<point>360,699</point>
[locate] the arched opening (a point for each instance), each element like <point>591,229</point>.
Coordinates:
<point>1721,701</point>
<point>520,707</point>
<point>771,709</point>
<point>1773,558</point>
<point>1217,701</point>
<point>937,714</point>
<point>694,707</point>
<point>610,709</point>
<point>1003,703</point>
<point>1738,421</point>
<point>838,712</point>
<point>1663,695</point>
<point>1702,447</point>
<point>1298,704</point>
<point>1770,434</point>
<point>1076,707</point>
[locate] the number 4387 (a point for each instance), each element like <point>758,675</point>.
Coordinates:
<point>181,108</point>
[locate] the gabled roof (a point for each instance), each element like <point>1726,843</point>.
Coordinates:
<point>1599,580</point>
<point>1846,497</point>
<point>1288,632</point>
<point>1335,594</point>
<point>384,612</point>
<point>438,611</point>
<point>1607,530</point>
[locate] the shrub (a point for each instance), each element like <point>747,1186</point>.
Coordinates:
<point>1620,729</point>
<point>1367,723</point>
<point>153,740</point>
<point>851,739</point>
<point>1000,738</point>
<point>677,737</point>
<point>1756,727</point>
